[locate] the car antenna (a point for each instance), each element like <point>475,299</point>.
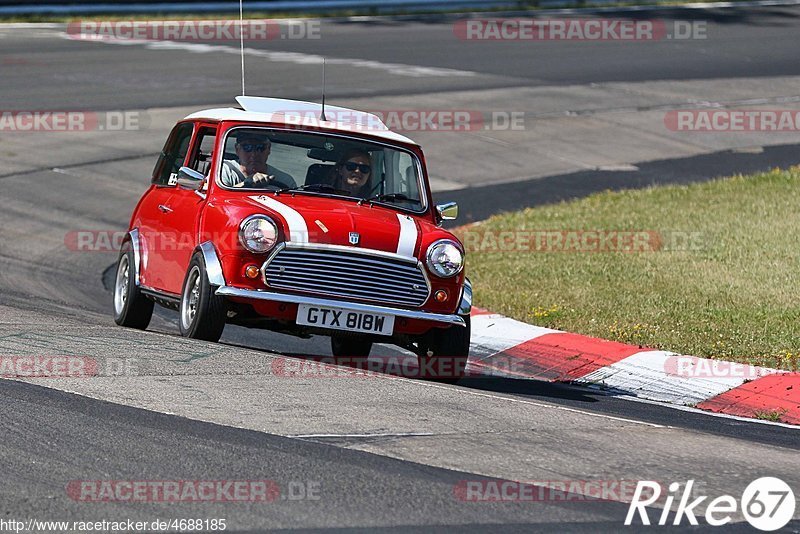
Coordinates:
<point>241,40</point>
<point>322,115</point>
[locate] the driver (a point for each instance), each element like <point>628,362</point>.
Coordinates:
<point>251,169</point>
<point>352,172</point>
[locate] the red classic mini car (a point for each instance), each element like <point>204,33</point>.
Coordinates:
<point>286,216</point>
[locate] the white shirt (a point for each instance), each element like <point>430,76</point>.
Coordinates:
<point>232,176</point>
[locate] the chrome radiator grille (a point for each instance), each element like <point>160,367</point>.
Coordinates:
<point>346,273</point>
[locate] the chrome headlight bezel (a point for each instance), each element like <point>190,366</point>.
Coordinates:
<point>429,261</point>
<point>254,219</point>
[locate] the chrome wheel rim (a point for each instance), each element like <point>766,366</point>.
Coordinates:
<point>191,298</point>
<point>121,285</point>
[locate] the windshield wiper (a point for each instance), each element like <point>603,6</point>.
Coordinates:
<point>388,197</point>
<point>322,188</point>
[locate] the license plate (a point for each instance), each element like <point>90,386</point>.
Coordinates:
<point>339,319</point>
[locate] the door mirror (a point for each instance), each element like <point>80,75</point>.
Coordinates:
<point>447,212</point>
<point>190,179</point>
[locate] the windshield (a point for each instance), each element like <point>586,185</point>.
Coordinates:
<point>282,161</point>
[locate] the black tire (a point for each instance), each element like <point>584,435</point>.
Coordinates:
<point>131,308</point>
<point>445,352</point>
<point>350,347</point>
<point>202,314</point>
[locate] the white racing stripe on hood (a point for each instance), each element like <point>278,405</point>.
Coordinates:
<point>408,236</point>
<point>298,231</point>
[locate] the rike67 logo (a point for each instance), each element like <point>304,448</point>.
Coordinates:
<point>767,503</point>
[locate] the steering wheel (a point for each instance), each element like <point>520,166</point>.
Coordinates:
<point>250,184</point>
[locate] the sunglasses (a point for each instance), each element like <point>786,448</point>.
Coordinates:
<point>352,166</point>
<point>249,147</point>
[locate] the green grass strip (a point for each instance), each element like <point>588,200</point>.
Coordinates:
<point>715,274</point>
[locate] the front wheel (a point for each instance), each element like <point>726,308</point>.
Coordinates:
<point>131,308</point>
<point>202,313</point>
<point>444,353</point>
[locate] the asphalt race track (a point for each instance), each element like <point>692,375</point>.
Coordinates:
<point>350,452</point>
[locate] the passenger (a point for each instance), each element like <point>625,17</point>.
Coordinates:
<point>251,169</point>
<point>352,172</point>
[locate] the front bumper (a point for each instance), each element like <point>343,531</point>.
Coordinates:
<point>227,291</point>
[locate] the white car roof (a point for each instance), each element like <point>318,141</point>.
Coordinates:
<point>298,113</point>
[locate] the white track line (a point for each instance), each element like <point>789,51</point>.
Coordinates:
<point>537,404</point>
<point>712,414</point>
<point>385,435</point>
<point>296,58</point>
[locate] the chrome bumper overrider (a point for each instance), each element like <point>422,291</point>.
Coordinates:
<point>226,291</point>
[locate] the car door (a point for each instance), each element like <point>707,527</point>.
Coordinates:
<point>185,209</point>
<point>155,228</point>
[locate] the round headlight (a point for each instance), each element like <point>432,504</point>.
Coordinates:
<point>445,259</point>
<point>258,233</point>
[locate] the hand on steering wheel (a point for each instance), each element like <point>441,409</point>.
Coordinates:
<point>263,180</point>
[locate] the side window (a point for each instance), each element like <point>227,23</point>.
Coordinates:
<point>173,155</point>
<point>403,175</point>
<point>408,176</point>
<point>204,151</point>
<point>378,178</point>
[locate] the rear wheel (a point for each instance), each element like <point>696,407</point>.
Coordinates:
<point>131,308</point>
<point>202,313</point>
<point>445,352</point>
